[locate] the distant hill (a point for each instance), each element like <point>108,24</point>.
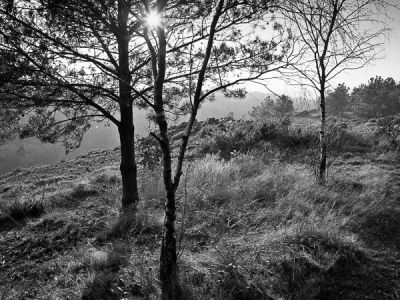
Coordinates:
<point>223,106</point>
<point>29,152</point>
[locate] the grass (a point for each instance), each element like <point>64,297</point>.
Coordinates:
<point>252,227</point>
<point>277,234</point>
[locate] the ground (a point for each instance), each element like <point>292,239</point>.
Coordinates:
<point>254,227</point>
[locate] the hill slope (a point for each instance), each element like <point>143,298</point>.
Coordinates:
<point>253,227</point>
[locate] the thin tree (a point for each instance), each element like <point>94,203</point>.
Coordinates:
<point>334,36</point>
<point>198,49</point>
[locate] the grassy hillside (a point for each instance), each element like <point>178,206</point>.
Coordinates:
<point>32,152</point>
<point>255,226</point>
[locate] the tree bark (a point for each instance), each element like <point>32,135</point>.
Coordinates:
<point>168,266</point>
<point>322,140</point>
<point>130,195</point>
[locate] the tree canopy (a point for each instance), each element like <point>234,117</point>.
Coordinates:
<point>378,98</point>
<point>270,109</point>
<point>337,100</point>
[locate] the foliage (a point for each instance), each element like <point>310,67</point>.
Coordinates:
<point>12,68</point>
<point>284,106</point>
<point>390,127</point>
<point>378,98</point>
<point>337,100</point>
<point>244,136</point>
<point>281,108</point>
<point>54,90</point>
<point>223,140</point>
<point>9,123</point>
<point>149,152</point>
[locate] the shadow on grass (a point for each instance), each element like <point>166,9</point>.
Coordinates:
<point>106,266</point>
<point>16,212</point>
<point>381,228</point>
<point>107,283</point>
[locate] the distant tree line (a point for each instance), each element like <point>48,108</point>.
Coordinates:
<point>280,108</point>
<point>376,99</point>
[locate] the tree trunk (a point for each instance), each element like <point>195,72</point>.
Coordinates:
<point>130,195</point>
<point>322,141</point>
<point>168,266</point>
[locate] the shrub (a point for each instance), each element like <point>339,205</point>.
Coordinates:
<point>240,136</point>
<point>280,109</point>
<point>390,127</point>
<point>246,136</point>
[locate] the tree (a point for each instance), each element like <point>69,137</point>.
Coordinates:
<point>212,52</point>
<point>379,98</point>
<point>84,67</point>
<point>269,109</point>
<point>94,60</point>
<point>284,106</point>
<point>337,100</point>
<point>334,36</point>
<point>264,112</point>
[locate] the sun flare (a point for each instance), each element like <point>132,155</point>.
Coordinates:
<point>153,19</point>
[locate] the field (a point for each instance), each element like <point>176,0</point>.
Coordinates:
<point>256,226</point>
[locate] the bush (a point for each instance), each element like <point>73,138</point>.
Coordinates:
<point>246,136</point>
<point>390,127</point>
<point>280,109</point>
<point>240,136</point>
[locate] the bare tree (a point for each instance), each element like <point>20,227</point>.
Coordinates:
<point>334,36</point>
<point>198,49</point>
